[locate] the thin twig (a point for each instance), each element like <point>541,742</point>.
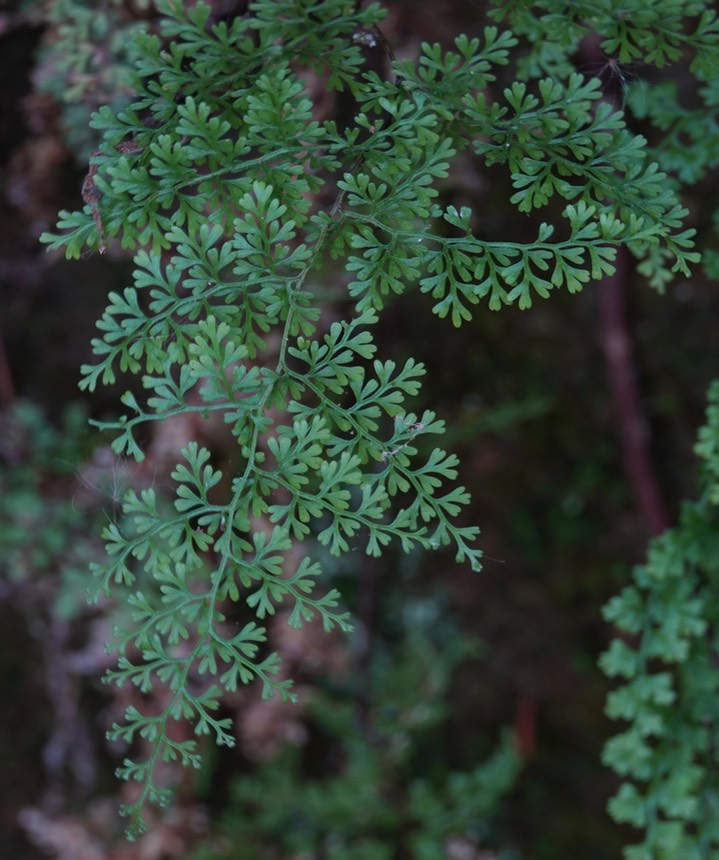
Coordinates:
<point>632,424</point>
<point>7,387</point>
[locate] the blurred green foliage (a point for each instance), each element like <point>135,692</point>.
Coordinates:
<point>46,538</point>
<point>382,786</point>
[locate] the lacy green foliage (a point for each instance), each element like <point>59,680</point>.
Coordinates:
<point>689,144</point>
<point>412,804</point>
<point>662,34</point>
<point>665,660</point>
<point>234,195</point>
<point>654,33</point>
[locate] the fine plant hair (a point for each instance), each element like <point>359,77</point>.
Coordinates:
<point>237,198</point>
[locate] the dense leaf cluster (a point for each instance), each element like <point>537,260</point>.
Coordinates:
<point>665,660</point>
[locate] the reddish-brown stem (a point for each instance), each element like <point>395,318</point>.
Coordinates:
<point>622,377</point>
<point>7,388</point>
<point>632,424</point>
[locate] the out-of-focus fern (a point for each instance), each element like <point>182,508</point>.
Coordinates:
<point>45,536</point>
<point>380,795</point>
<point>84,59</point>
